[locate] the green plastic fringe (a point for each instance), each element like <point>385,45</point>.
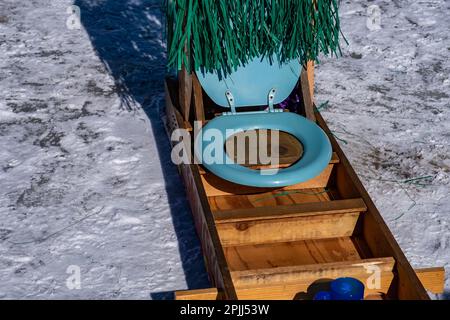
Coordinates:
<point>220,35</point>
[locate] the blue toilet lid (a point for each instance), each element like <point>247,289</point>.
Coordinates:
<point>250,84</point>
<point>316,148</point>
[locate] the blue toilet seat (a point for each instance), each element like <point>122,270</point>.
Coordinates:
<point>261,81</point>
<point>316,148</point>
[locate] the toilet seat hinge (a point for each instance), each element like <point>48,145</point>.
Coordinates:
<point>231,101</point>
<point>271,98</point>
<point>232,104</point>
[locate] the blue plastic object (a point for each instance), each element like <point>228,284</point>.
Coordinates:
<point>316,148</point>
<point>347,289</point>
<point>251,83</point>
<point>342,289</point>
<point>322,295</point>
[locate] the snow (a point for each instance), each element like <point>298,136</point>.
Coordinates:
<point>85,173</point>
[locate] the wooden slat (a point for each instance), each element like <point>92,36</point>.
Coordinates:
<point>199,294</point>
<point>305,290</point>
<point>360,244</point>
<point>288,229</point>
<point>215,186</point>
<point>305,273</point>
<point>290,211</point>
<point>310,74</point>
<point>320,181</point>
<point>188,126</point>
<point>375,231</point>
<point>272,198</point>
<point>294,253</point>
<point>433,279</point>
<point>307,96</point>
<point>288,291</point>
<point>375,296</point>
<point>198,99</point>
<point>289,223</point>
<point>344,184</point>
<point>185,92</point>
<point>334,158</point>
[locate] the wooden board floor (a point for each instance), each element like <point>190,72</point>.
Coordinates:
<point>291,253</point>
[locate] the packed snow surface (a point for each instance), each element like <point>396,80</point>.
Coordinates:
<point>87,185</point>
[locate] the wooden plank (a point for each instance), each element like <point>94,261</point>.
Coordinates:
<point>272,198</point>
<point>375,296</point>
<point>305,273</point>
<point>334,158</point>
<point>294,253</point>
<point>308,101</point>
<point>360,244</point>
<point>289,226</point>
<point>298,290</point>
<point>310,74</point>
<point>320,181</point>
<point>288,229</point>
<point>185,92</point>
<point>198,99</point>
<point>187,126</point>
<point>204,221</point>
<point>215,186</point>
<point>344,184</point>
<point>375,231</point>
<point>305,290</point>
<point>433,279</point>
<point>290,211</point>
<point>287,291</point>
<point>200,294</point>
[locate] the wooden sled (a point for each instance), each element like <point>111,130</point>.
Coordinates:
<point>288,243</point>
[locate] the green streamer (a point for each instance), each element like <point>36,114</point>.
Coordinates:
<point>221,35</point>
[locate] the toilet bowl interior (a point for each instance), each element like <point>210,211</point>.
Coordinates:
<point>239,148</point>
